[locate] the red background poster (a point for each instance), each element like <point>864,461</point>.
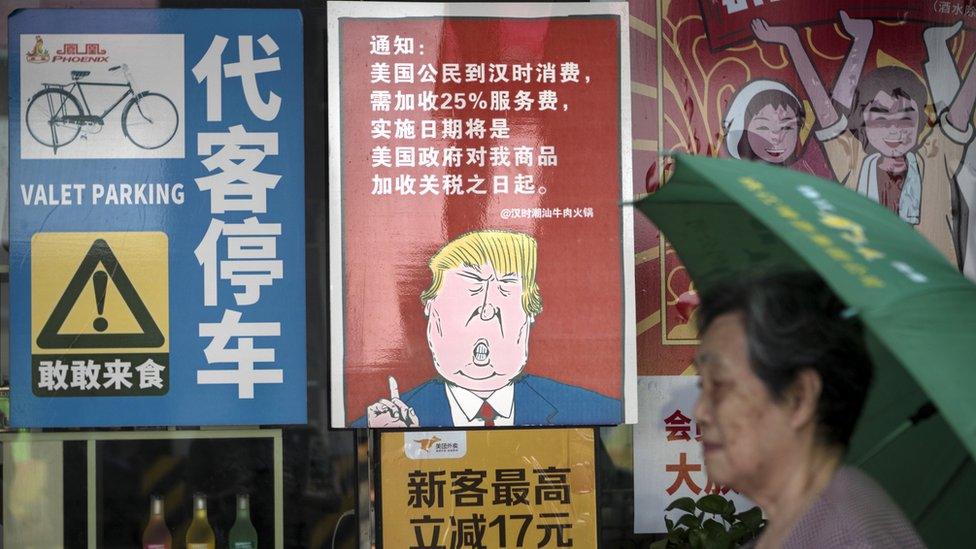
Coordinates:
<point>688,62</point>
<point>727,21</point>
<point>388,239</point>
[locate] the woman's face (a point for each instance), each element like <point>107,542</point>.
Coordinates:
<point>744,431</point>
<point>773,134</point>
<point>891,124</point>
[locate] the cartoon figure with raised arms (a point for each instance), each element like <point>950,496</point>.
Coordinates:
<point>941,67</point>
<point>880,150</point>
<point>481,304</point>
<point>763,123</point>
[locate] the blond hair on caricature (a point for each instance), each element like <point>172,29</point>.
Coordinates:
<point>507,251</point>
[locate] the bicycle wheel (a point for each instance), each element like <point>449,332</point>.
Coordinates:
<point>45,118</point>
<point>150,120</point>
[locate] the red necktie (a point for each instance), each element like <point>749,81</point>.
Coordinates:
<point>487,413</point>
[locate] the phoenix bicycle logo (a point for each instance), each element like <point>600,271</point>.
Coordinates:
<point>59,112</point>
<point>70,52</point>
<point>73,53</point>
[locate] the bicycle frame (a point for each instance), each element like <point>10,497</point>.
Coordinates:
<point>79,86</point>
<point>69,109</point>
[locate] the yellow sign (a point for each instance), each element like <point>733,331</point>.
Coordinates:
<point>100,313</point>
<point>488,488</point>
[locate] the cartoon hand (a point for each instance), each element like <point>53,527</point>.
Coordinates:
<point>392,412</point>
<point>937,36</point>
<point>857,28</point>
<point>774,35</point>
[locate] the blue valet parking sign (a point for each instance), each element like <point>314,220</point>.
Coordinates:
<point>157,218</point>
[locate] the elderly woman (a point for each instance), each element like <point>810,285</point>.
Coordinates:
<point>783,380</point>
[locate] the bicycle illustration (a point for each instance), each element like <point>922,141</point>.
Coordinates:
<point>55,116</point>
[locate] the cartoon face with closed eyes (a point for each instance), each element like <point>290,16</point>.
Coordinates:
<point>773,134</point>
<point>480,308</point>
<point>891,124</point>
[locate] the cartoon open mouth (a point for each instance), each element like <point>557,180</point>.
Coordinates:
<point>893,144</point>
<point>480,353</point>
<point>775,151</point>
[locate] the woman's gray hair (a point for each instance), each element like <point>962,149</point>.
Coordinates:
<point>794,322</point>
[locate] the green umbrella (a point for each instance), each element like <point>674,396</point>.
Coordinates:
<point>917,434</point>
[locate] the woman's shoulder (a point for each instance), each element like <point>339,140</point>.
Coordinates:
<point>854,511</point>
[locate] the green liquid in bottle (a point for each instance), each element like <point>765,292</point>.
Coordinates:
<point>242,534</point>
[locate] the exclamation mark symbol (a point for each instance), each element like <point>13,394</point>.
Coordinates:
<point>100,280</point>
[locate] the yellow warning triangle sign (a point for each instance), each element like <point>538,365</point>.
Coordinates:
<point>100,254</point>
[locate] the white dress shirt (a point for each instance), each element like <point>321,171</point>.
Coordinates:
<point>465,406</point>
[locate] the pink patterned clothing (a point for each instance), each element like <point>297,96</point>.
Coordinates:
<point>853,512</point>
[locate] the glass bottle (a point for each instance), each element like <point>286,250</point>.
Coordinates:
<point>156,535</point>
<point>200,535</point>
<point>242,534</point>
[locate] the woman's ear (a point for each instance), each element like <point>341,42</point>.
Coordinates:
<point>803,397</point>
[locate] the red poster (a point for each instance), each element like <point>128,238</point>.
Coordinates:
<point>482,264</point>
<point>727,21</point>
<point>876,96</point>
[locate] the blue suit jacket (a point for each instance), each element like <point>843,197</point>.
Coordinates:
<point>538,401</point>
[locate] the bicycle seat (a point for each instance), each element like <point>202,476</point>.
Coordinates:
<point>78,75</point>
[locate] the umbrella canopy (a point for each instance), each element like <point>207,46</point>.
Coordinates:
<point>729,217</point>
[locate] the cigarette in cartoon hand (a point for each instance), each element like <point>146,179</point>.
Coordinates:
<point>391,412</point>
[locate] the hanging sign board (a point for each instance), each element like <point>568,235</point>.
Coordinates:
<point>157,218</point>
<point>668,460</point>
<point>479,154</point>
<point>742,78</point>
<point>506,488</point>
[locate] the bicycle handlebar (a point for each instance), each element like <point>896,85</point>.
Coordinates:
<point>115,68</point>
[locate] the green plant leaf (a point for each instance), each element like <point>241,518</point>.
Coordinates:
<point>714,504</point>
<point>678,538</point>
<point>719,540</point>
<point>669,523</point>
<point>729,513</point>
<point>713,528</point>
<point>696,538</point>
<point>751,518</point>
<point>739,532</point>
<point>691,522</point>
<point>659,544</point>
<point>685,504</point>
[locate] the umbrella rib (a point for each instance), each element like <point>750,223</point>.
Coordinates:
<point>924,513</point>
<point>906,425</point>
<point>924,412</point>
